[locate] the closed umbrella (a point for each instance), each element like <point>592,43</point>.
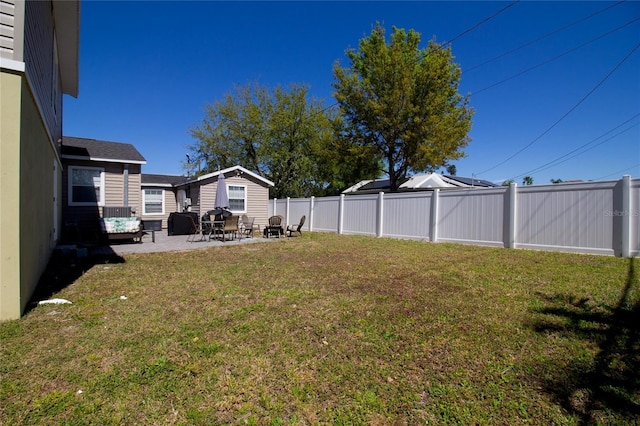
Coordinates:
<point>222,198</point>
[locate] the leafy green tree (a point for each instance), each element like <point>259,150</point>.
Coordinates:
<point>451,169</point>
<point>527,180</point>
<point>402,102</point>
<point>507,182</point>
<point>281,135</point>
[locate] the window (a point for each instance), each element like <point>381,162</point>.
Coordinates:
<point>86,186</point>
<point>153,201</point>
<point>237,198</point>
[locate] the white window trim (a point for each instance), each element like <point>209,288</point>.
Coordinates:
<point>245,197</point>
<point>70,201</point>
<point>144,201</point>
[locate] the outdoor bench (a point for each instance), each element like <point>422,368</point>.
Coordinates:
<point>121,228</point>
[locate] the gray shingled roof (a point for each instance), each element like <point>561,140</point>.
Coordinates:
<point>103,150</point>
<point>149,179</point>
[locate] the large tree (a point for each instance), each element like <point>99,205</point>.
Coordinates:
<point>281,135</point>
<point>403,102</point>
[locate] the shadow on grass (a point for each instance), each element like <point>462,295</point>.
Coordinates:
<point>66,266</point>
<point>605,387</point>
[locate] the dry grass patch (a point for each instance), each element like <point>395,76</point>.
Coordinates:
<point>328,329</point>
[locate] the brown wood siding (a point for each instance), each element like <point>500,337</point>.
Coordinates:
<point>39,60</point>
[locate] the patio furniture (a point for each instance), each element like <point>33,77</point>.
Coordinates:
<point>247,226</point>
<point>274,228</point>
<point>230,227</point>
<point>296,229</point>
<point>122,228</point>
<point>195,229</point>
<point>179,223</point>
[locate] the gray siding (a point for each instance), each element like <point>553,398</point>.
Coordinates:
<point>8,31</point>
<point>86,217</point>
<point>42,67</point>
<point>257,196</point>
<point>170,205</point>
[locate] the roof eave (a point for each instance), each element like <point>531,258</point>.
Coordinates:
<point>104,160</point>
<point>230,169</point>
<point>67,24</point>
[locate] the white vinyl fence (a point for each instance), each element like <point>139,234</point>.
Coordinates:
<point>592,217</point>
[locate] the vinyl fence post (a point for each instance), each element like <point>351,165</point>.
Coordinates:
<point>626,214</point>
<point>286,222</point>
<point>312,201</point>
<point>380,216</point>
<point>275,206</point>
<point>341,214</point>
<point>512,199</point>
<point>433,226</point>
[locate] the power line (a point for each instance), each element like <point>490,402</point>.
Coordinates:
<point>556,57</point>
<point>468,30</point>
<point>617,172</point>
<point>543,37</point>
<point>557,161</point>
<point>584,98</point>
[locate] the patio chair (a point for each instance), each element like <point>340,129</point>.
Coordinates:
<point>296,229</point>
<point>195,229</point>
<point>274,228</point>
<point>247,225</point>
<point>230,226</point>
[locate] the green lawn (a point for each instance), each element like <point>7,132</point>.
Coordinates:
<point>329,329</point>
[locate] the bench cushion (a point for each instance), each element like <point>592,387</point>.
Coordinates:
<point>117,225</point>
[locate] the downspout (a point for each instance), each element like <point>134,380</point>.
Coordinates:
<point>126,185</point>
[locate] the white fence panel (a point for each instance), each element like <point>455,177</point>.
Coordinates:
<point>298,207</point>
<point>567,217</point>
<point>360,215</point>
<point>407,215</point>
<point>325,214</point>
<point>472,216</point>
<point>591,217</point>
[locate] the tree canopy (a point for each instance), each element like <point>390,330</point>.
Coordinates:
<point>401,103</point>
<point>282,135</point>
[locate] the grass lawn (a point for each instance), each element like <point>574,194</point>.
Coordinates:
<point>329,329</point>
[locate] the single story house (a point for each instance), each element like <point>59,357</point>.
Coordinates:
<point>421,182</point>
<point>39,48</point>
<point>102,175</point>
<point>165,194</point>
<point>97,175</point>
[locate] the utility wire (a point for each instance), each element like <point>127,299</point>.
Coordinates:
<point>556,57</point>
<point>542,37</point>
<point>584,98</point>
<point>619,171</point>
<point>468,30</point>
<point>558,161</point>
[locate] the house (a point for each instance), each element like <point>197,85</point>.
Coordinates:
<point>39,47</point>
<point>97,175</point>
<point>421,182</point>
<point>163,195</point>
<point>159,199</point>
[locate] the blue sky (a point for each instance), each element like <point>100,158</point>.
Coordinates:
<point>147,70</point>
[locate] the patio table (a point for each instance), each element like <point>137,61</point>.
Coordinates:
<point>215,226</point>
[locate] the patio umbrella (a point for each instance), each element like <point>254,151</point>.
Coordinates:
<point>222,198</point>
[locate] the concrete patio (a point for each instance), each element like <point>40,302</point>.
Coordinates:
<point>164,242</point>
